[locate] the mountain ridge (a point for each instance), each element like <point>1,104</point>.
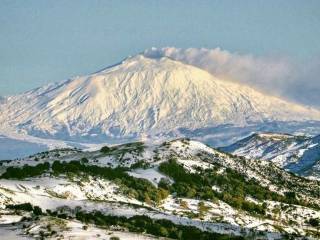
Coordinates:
<point>299,154</point>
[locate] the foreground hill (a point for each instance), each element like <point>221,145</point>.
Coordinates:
<point>299,154</point>
<point>179,189</point>
<point>148,98</point>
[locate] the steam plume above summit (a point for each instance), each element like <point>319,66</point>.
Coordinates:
<point>278,76</point>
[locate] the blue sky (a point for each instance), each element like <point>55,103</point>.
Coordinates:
<point>46,41</point>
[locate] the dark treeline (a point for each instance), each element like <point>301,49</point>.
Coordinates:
<point>156,227</point>
<point>25,207</point>
<point>137,224</point>
<point>26,171</point>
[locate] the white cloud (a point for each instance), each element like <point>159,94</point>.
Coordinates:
<point>273,75</point>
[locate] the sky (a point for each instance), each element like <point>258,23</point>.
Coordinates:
<point>52,40</point>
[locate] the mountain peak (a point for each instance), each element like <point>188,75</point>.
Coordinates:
<point>142,96</point>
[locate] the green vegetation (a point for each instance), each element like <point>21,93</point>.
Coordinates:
<point>315,222</point>
<point>203,209</point>
<point>105,149</point>
<point>114,238</point>
<point>84,160</point>
<point>184,204</point>
<point>25,171</point>
<point>140,164</point>
<point>135,148</point>
<point>137,224</point>
<point>25,207</point>
<point>234,187</point>
<point>138,188</point>
<point>156,227</point>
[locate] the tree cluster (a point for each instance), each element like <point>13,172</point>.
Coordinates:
<point>138,188</point>
<point>234,186</point>
<point>25,171</point>
<point>156,227</point>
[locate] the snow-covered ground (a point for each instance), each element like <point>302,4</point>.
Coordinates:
<point>54,228</point>
<point>93,193</point>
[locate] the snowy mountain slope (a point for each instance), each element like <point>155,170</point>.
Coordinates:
<point>142,97</point>
<point>312,171</point>
<point>71,192</point>
<point>296,153</point>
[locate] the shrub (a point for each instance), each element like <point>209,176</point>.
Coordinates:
<point>105,149</point>
<point>84,160</point>
<point>37,210</point>
<point>315,222</point>
<point>114,238</point>
<point>202,208</point>
<point>184,204</point>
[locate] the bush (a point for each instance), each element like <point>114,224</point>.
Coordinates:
<point>105,149</point>
<point>202,208</point>
<point>37,210</point>
<point>114,238</point>
<point>184,204</point>
<point>315,222</point>
<point>291,197</point>
<point>164,183</point>
<point>140,164</point>
<point>84,160</point>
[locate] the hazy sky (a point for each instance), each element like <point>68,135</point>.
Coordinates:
<point>46,41</point>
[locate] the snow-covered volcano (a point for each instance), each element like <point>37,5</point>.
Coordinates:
<point>142,97</point>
